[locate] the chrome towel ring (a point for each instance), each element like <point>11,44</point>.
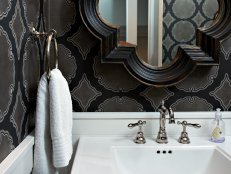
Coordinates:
<point>51,36</point>
<point>47,60</point>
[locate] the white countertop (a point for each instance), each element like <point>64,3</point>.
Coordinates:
<point>94,155</point>
<point>20,159</point>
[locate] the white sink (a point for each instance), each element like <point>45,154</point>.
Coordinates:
<point>119,155</point>
<point>171,160</point>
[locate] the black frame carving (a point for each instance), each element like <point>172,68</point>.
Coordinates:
<point>206,52</point>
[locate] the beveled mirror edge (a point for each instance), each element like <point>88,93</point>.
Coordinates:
<point>188,57</point>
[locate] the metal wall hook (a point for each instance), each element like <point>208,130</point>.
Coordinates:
<point>37,34</point>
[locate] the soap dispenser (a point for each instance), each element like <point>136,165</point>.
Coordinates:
<point>217,131</point>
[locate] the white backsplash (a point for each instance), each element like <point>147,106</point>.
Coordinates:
<point>115,124</point>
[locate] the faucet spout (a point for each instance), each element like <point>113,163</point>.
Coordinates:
<point>164,114</point>
<point>171,116</point>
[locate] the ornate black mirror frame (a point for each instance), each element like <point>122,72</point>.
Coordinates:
<point>188,57</point>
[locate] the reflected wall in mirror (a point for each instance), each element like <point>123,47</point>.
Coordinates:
<point>158,27</point>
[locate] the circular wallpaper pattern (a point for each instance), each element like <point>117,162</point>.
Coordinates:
<point>31,11</point>
<point>120,103</point>
<point>183,9</point>
<point>110,80</point>
<point>31,63</point>
<point>5,8</point>
<point>62,22</point>
<point>181,19</point>
<point>6,143</point>
<point>7,73</point>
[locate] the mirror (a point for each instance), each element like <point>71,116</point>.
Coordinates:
<point>205,52</point>
<point>155,27</point>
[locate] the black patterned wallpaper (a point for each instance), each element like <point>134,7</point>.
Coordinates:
<point>19,71</point>
<point>95,87</point>
<point>98,87</point>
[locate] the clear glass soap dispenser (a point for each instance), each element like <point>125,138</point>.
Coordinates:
<point>217,130</point>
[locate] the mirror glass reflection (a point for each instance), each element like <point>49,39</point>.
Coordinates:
<point>158,27</point>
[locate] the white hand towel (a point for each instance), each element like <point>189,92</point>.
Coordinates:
<point>42,151</point>
<point>60,119</point>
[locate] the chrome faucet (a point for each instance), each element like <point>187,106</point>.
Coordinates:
<point>164,113</point>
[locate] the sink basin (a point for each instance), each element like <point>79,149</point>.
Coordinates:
<point>171,160</point>
<point>119,155</point>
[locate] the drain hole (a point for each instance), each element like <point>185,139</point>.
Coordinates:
<point>164,152</point>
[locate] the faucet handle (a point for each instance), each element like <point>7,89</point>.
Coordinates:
<point>140,123</point>
<point>185,123</point>
<point>140,135</point>
<point>184,139</point>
